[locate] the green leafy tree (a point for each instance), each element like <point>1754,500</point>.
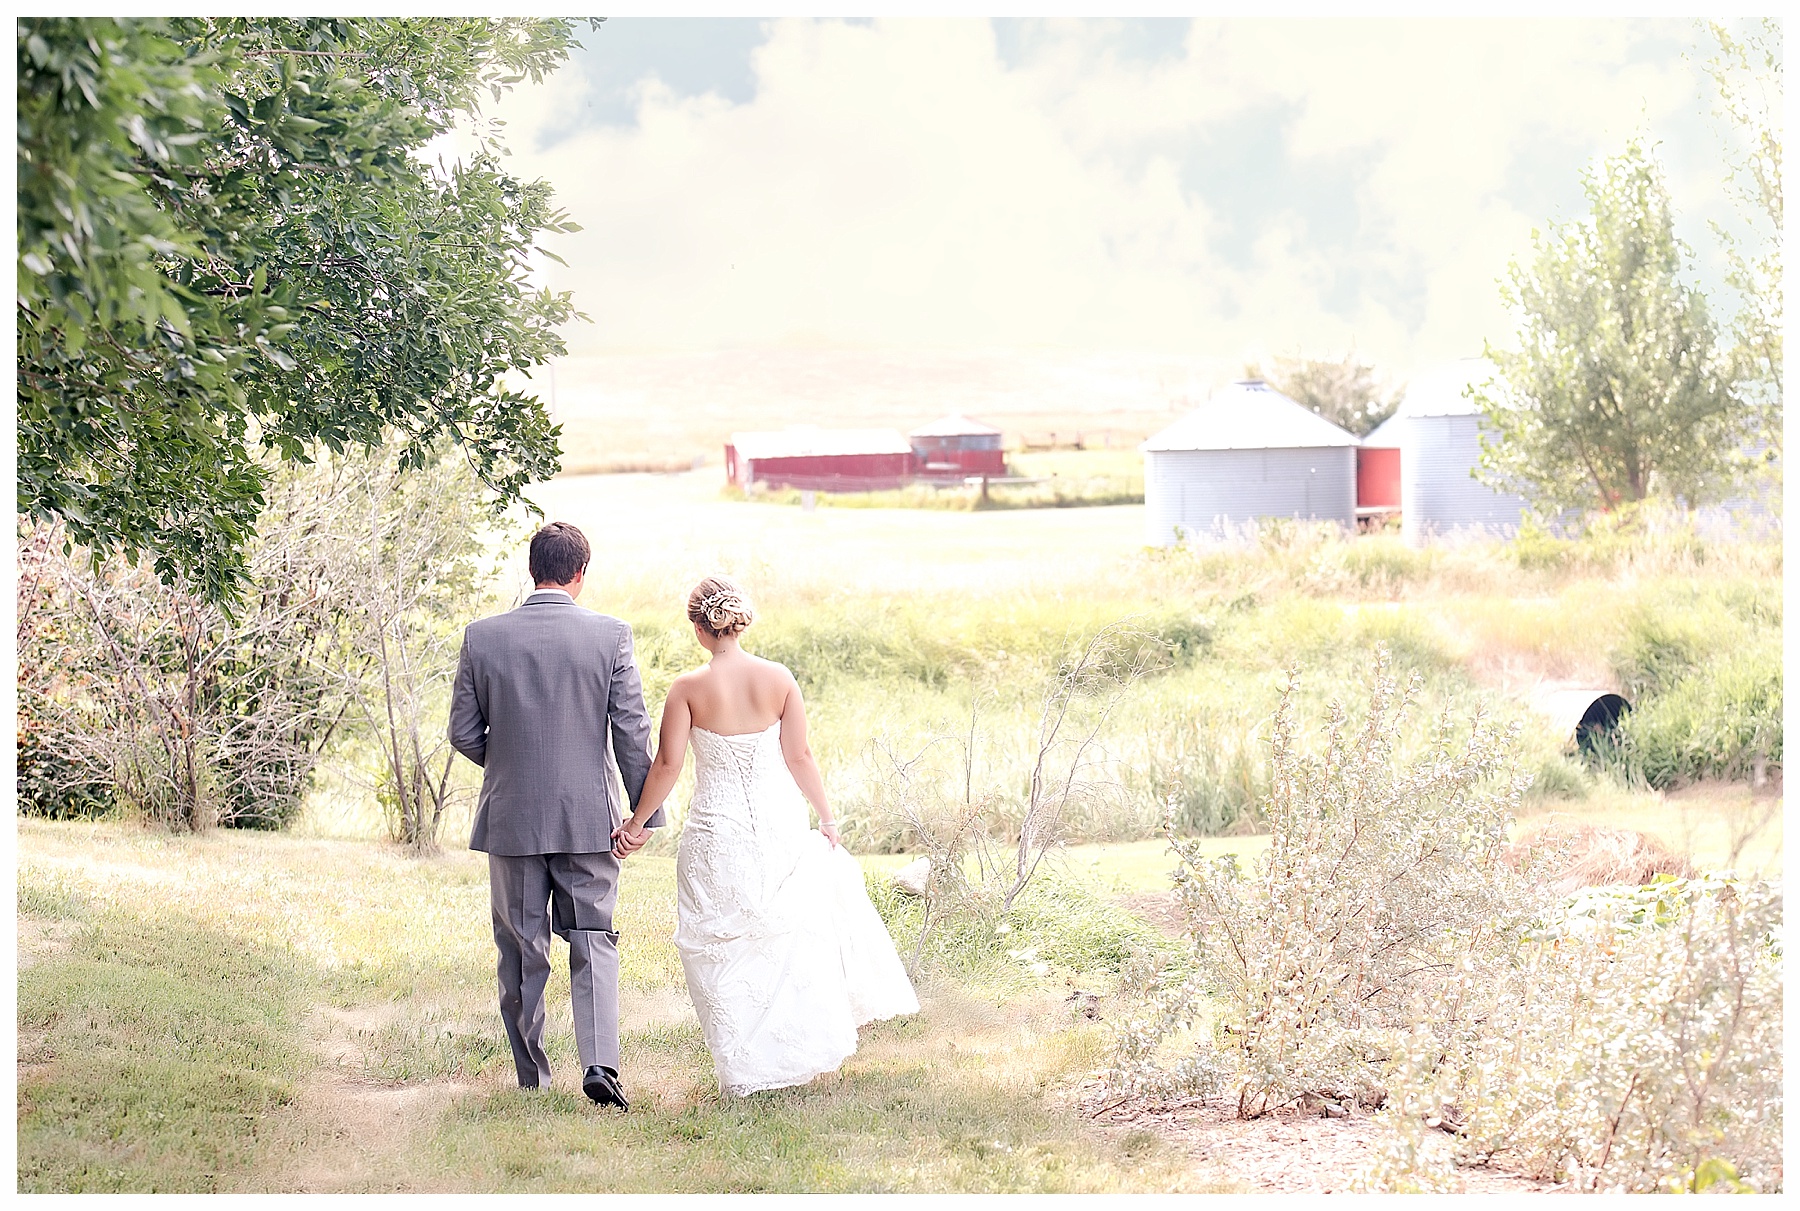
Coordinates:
<point>1616,391</point>
<point>1346,391</point>
<point>229,247</point>
<point>1746,68</point>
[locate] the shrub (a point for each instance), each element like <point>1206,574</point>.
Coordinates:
<point>51,782</point>
<point>191,714</point>
<point>1559,778</point>
<point>1059,920</point>
<point>186,714</point>
<point>1702,663</point>
<point>1377,883</point>
<point>1635,1045</point>
<point>1723,720</point>
<point>975,876</point>
<point>1535,549</point>
<point>53,786</point>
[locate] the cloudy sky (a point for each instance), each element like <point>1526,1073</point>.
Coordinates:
<point>1215,187</point>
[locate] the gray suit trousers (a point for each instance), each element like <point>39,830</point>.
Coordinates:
<point>572,895</point>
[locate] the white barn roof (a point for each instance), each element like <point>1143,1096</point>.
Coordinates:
<point>810,441</point>
<point>1439,391</point>
<point>1386,435</point>
<point>955,426</point>
<point>1250,416</point>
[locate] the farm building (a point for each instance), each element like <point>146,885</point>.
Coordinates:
<point>956,447</point>
<point>1248,453</point>
<point>1378,470</point>
<point>1440,445</point>
<point>827,460</point>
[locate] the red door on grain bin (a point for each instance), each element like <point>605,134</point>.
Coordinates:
<point>1378,478</point>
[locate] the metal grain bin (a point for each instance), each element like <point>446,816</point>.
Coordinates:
<point>1249,453</point>
<point>1440,445</point>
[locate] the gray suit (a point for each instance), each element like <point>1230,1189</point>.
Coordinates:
<point>549,703</point>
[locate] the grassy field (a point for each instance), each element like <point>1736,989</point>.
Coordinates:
<point>251,1012</point>
<point>901,623</point>
<point>254,1012</point>
<point>315,1010</point>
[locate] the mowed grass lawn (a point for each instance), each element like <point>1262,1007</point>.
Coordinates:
<point>242,1011</point>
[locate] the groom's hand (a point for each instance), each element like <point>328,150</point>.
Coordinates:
<point>627,841</point>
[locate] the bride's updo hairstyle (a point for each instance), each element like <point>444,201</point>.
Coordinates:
<point>719,607</point>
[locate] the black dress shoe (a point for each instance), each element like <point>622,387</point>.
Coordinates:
<point>602,1085</point>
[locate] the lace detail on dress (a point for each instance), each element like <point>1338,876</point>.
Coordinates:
<point>785,956</point>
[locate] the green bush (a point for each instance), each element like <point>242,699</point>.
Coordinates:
<point>1702,664</point>
<point>55,787</point>
<point>1676,626</point>
<point>1723,720</point>
<point>1535,549</point>
<point>1059,920</point>
<point>1558,778</point>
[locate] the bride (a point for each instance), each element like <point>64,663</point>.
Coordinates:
<point>785,956</point>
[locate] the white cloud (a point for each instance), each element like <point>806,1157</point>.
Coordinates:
<point>895,186</point>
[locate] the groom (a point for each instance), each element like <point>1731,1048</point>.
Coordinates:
<point>539,690</point>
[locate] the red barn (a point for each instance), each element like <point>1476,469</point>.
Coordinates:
<point>827,460</point>
<point>956,447</point>
<point>1378,470</point>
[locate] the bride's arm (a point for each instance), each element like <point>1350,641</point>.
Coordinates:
<point>799,756</point>
<point>665,767</point>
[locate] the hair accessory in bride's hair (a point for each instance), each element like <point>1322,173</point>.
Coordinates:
<point>720,606</point>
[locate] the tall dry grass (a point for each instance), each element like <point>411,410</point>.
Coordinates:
<point>1479,622</point>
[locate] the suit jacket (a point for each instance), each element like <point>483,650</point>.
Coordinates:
<point>540,691</point>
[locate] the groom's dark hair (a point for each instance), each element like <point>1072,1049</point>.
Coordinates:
<point>558,552</point>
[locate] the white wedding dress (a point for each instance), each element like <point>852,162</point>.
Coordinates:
<point>785,956</point>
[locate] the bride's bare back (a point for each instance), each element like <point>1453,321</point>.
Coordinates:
<point>735,694</point>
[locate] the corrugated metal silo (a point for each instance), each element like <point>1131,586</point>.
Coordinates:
<point>1440,445</point>
<point>1249,453</point>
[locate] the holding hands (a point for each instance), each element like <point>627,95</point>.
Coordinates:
<point>628,838</point>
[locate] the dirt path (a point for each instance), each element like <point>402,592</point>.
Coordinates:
<point>341,1134</point>
<point>345,1131</point>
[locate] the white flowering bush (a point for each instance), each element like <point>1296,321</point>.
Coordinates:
<point>1634,1046</point>
<point>1384,892</point>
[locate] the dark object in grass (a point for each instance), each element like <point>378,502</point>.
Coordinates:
<point>1584,716</point>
